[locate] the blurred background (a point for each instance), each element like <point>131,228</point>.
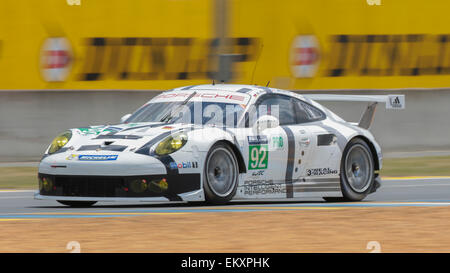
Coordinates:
<point>73,63</point>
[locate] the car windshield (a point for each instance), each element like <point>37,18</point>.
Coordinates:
<point>194,112</point>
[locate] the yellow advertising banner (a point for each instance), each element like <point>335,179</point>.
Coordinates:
<point>104,44</point>
<point>346,44</point>
<point>161,44</point>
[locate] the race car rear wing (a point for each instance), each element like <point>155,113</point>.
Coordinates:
<point>391,102</point>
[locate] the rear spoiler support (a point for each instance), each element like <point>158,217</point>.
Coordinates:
<point>391,102</point>
<point>367,118</point>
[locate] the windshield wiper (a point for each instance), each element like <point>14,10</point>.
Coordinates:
<point>169,116</point>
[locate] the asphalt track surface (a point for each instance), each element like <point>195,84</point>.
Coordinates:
<point>410,192</point>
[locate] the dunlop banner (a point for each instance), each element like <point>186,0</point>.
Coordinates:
<point>347,44</point>
<point>112,44</point>
<point>161,44</point>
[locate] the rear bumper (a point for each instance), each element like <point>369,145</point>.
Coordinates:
<point>154,188</point>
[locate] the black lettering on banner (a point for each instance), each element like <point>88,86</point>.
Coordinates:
<point>153,58</point>
<point>388,55</point>
<point>94,59</point>
<point>338,56</point>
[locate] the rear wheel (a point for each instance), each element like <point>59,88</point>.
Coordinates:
<point>357,172</point>
<point>78,204</point>
<point>221,174</point>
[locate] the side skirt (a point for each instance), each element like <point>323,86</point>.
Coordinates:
<point>301,188</point>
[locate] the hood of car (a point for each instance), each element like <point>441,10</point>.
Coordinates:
<point>120,137</point>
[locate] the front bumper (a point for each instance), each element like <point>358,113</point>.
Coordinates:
<point>124,164</point>
<point>186,197</point>
<point>164,187</point>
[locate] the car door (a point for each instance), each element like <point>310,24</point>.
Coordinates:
<point>271,153</point>
<point>300,143</point>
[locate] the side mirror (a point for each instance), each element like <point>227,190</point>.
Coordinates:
<point>124,118</point>
<point>265,122</point>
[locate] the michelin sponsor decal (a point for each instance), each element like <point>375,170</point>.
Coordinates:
<point>92,157</point>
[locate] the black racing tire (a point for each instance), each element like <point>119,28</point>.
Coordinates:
<point>357,172</point>
<point>78,204</point>
<point>221,174</point>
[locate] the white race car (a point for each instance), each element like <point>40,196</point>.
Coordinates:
<point>219,143</point>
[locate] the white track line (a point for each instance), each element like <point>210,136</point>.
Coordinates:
<point>415,186</point>
<point>415,178</point>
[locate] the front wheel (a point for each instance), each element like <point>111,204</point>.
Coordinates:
<point>221,174</point>
<point>77,204</point>
<point>357,172</point>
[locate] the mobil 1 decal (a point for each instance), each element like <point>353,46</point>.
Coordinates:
<point>258,152</point>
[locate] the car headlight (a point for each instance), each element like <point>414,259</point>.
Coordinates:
<point>171,144</point>
<point>59,142</point>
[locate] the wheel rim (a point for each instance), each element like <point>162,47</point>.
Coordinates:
<point>358,168</point>
<point>221,172</point>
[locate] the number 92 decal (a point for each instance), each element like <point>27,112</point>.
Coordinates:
<point>258,157</point>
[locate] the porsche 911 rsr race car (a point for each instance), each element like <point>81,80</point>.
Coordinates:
<point>218,143</point>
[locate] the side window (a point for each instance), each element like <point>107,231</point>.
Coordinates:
<point>306,112</point>
<point>278,103</point>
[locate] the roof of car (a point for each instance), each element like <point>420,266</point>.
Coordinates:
<point>224,87</point>
<point>253,90</point>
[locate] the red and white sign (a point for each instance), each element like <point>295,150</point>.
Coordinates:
<point>304,57</point>
<point>56,59</point>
